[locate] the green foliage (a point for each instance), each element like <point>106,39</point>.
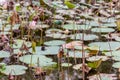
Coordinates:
<point>95,64</point>
<point>33,46</point>
<point>70,5</point>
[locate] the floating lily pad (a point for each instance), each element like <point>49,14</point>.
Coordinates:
<point>76,27</point>
<point>54,42</point>
<point>66,64</point>
<point>117,38</point>
<point>116,65</point>
<point>36,60</point>
<point>39,26</point>
<point>108,21</point>
<point>14,70</point>
<point>80,47</point>
<point>113,53</point>
<point>96,58</point>
<point>4,54</point>
<point>79,67</point>
<point>77,54</point>
<point>53,31</point>
<point>116,58</point>
<point>87,37</point>
<point>102,30</point>
<point>103,76</point>
<point>113,24</point>
<point>5,33</point>
<point>18,43</point>
<point>8,27</point>
<point>106,46</point>
<point>57,35</point>
<point>92,23</point>
<point>51,50</point>
<point>17,51</point>
<point>93,48</point>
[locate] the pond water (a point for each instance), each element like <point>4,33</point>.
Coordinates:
<point>59,41</point>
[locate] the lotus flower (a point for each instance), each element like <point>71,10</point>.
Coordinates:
<point>32,25</point>
<point>2,2</point>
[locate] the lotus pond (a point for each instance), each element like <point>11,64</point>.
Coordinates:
<point>60,40</point>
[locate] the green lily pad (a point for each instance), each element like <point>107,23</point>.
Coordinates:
<point>4,54</point>
<point>113,53</point>
<point>18,43</point>
<point>36,60</point>
<point>96,58</point>
<point>57,35</point>
<point>117,38</point>
<point>5,33</point>
<point>53,30</point>
<point>108,21</point>
<point>116,58</point>
<point>66,64</point>
<point>80,47</point>
<point>51,50</point>
<point>39,26</point>
<point>106,46</point>
<point>77,54</point>
<point>92,23</point>
<point>17,51</point>
<point>76,27</point>
<point>14,70</point>
<point>113,24</point>
<point>79,67</point>
<point>102,30</point>
<point>87,37</point>
<point>93,48</point>
<point>8,27</point>
<point>54,42</point>
<point>116,65</point>
<point>103,76</point>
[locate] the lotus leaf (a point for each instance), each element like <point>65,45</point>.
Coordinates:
<point>37,60</point>
<point>53,30</point>
<point>66,64</point>
<point>4,54</point>
<point>77,54</point>
<point>106,46</point>
<point>93,23</point>
<point>96,58</point>
<point>14,70</point>
<point>102,30</point>
<point>117,38</point>
<point>116,65</point>
<point>113,53</point>
<point>76,27</point>
<point>87,37</point>
<point>18,43</point>
<point>95,64</point>
<point>103,76</point>
<point>54,42</point>
<point>57,35</point>
<point>113,24</point>
<point>51,50</point>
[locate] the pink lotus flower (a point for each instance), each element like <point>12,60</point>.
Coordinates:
<point>2,2</point>
<point>32,25</point>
